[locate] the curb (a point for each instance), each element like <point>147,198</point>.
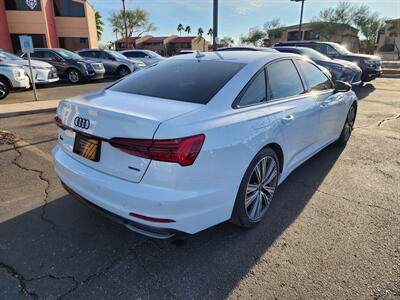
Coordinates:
<point>27,108</point>
<point>25,112</point>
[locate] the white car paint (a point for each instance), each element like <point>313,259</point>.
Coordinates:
<point>203,194</point>
<point>14,76</point>
<point>41,70</point>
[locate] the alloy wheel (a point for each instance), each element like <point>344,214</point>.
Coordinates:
<point>3,90</point>
<point>123,72</point>
<point>73,76</point>
<point>348,126</point>
<point>261,188</point>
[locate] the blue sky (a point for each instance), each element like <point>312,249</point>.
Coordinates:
<point>236,16</point>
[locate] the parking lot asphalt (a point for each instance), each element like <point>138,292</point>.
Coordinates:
<point>56,91</point>
<point>332,232</point>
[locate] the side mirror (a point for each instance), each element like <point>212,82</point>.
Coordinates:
<point>342,87</point>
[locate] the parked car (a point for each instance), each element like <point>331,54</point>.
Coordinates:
<point>247,49</point>
<point>12,77</point>
<point>114,62</point>
<point>43,72</point>
<point>147,57</point>
<point>340,69</point>
<point>370,65</point>
<point>70,65</point>
<point>165,154</point>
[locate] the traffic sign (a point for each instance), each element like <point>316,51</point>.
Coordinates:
<point>26,43</point>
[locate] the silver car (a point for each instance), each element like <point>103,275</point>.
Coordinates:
<point>12,77</point>
<point>148,57</point>
<point>114,62</point>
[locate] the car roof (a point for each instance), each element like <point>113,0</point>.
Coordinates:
<point>246,48</point>
<point>245,57</point>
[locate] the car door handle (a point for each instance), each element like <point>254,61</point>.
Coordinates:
<point>288,118</point>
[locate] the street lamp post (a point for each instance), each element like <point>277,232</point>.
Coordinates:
<point>215,25</point>
<point>301,17</point>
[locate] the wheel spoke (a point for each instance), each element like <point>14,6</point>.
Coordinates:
<point>251,188</point>
<point>254,208</point>
<point>267,199</point>
<point>270,177</point>
<point>258,173</point>
<point>250,199</point>
<point>269,189</point>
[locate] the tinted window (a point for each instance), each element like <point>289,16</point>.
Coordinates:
<point>137,54</point>
<point>86,53</point>
<point>283,79</point>
<point>130,54</point>
<point>49,55</point>
<point>73,43</point>
<point>68,8</point>
<point>22,5</point>
<point>255,92</point>
<point>317,81</point>
<point>179,79</point>
<point>36,54</point>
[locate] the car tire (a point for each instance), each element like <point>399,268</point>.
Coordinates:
<point>74,76</point>
<point>123,71</point>
<point>4,89</point>
<point>348,125</point>
<point>253,199</point>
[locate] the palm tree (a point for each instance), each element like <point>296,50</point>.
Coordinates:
<point>188,30</point>
<point>180,29</point>
<point>99,25</point>
<point>200,31</point>
<point>125,24</point>
<point>210,33</point>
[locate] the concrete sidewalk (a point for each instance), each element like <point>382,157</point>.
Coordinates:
<point>9,110</point>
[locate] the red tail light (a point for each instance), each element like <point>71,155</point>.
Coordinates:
<point>182,151</point>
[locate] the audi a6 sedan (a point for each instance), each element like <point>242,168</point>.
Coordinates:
<point>199,139</point>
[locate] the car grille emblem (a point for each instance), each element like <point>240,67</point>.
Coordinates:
<point>81,122</point>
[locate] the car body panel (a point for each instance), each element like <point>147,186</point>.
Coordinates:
<point>9,73</point>
<point>145,56</point>
<point>203,194</point>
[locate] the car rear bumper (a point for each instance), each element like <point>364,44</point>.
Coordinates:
<point>192,211</point>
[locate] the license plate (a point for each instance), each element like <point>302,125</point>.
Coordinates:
<point>87,147</point>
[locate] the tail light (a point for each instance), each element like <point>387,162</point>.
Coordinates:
<point>182,150</point>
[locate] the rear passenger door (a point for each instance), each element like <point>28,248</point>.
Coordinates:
<point>297,111</point>
<point>331,105</point>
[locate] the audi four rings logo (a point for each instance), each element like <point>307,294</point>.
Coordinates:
<point>81,122</point>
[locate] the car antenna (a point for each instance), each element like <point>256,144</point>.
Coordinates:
<point>199,54</point>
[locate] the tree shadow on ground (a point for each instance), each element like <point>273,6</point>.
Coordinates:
<point>88,256</point>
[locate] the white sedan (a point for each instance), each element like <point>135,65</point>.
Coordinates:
<point>199,139</point>
<point>43,72</point>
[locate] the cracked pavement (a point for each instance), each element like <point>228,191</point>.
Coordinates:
<point>333,231</point>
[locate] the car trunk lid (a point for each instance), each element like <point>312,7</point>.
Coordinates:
<point>109,114</point>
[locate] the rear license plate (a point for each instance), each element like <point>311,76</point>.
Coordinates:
<point>87,147</point>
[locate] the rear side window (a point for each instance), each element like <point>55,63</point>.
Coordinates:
<point>316,79</point>
<point>284,80</point>
<point>195,81</point>
<point>36,54</point>
<point>86,53</point>
<point>255,92</point>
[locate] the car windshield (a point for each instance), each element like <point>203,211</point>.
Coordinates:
<point>314,55</point>
<point>116,54</point>
<point>68,54</point>
<point>339,48</point>
<point>8,56</point>
<point>195,81</point>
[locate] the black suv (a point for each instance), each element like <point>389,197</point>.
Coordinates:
<point>70,65</point>
<point>370,65</point>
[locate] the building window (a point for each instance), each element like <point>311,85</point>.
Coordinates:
<point>73,43</point>
<point>387,48</point>
<point>38,40</point>
<point>68,8</point>
<point>309,35</point>
<point>23,5</point>
<point>293,36</point>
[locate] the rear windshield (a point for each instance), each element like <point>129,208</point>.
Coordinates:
<point>195,81</point>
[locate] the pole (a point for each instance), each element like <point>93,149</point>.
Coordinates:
<point>32,77</point>
<point>215,25</point>
<point>301,20</point>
